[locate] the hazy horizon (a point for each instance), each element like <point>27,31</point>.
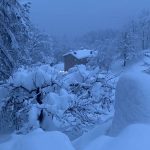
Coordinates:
<point>76,17</point>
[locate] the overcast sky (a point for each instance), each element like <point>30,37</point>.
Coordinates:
<point>73,17</point>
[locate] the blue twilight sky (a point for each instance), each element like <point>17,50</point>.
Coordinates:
<point>75,17</point>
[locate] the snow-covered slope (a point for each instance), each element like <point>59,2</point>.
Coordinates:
<point>130,126</point>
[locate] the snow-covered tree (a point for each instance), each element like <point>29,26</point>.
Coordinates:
<point>14,28</point>
<point>126,47</point>
<point>20,42</point>
<point>40,48</point>
<point>144,29</point>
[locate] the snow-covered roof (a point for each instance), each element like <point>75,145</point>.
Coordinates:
<point>80,54</point>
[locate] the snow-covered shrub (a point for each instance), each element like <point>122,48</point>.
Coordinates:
<point>92,102</point>
<point>14,109</point>
<point>41,96</point>
<point>25,89</point>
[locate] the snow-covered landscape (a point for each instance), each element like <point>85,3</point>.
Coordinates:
<point>87,92</point>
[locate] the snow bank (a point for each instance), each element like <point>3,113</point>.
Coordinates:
<point>134,137</point>
<point>90,136</point>
<point>38,140</point>
<point>132,100</point>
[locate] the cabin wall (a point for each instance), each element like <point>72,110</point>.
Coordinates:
<point>70,61</point>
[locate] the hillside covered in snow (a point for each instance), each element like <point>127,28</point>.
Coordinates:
<point>129,124</point>
<point>89,91</point>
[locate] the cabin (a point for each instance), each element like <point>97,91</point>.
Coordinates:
<point>78,57</point>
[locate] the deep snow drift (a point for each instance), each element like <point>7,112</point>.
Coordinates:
<point>134,137</point>
<point>38,140</point>
<point>132,101</point>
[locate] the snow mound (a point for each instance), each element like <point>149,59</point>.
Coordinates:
<point>134,137</point>
<point>38,140</point>
<point>90,136</point>
<point>132,101</point>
